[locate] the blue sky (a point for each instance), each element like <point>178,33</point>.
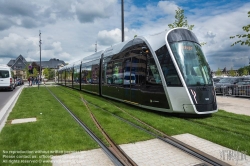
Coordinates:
<point>70,28</point>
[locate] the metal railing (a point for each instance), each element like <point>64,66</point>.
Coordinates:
<point>233,90</point>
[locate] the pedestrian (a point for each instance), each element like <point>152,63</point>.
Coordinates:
<point>29,80</point>
<point>36,80</point>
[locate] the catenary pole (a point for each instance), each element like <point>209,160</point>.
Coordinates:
<point>40,43</point>
<point>122,14</point>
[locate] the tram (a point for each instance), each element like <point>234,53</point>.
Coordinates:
<point>163,72</point>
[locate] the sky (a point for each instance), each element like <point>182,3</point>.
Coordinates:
<point>71,28</point>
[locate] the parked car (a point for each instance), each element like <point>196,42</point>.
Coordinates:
<point>7,80</point>
<point>226,85</point>
<point>217,79</point>
<point>242,88</point>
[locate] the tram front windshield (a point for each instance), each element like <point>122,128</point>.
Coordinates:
<point>192,63</point>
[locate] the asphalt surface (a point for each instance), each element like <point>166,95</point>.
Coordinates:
<point>7,102</point>
<point>6,95</point>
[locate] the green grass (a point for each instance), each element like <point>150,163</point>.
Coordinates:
<point>224,128</point>
<point>55,129</point>
<point>110,124</point>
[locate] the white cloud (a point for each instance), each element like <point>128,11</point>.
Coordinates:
<point>109,37</point>
<point>88,11</point>
<point>216,30</point>
<point>168,7</point>
<point>70,29</point>
<point>14,45</point>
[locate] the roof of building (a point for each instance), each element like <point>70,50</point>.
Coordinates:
<point>52,63</point>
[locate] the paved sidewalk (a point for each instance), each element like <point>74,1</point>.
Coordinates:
<point>156,152</point>
<point>235,105</point>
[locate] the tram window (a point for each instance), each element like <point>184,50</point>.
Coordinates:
<point>76,73</point>
<point>192,63</point>
<point>95,73</point>
<point>109,77</point>
<point>86,74</point>
<point>153,76</point>
<point>117,73</point>
<point>167,66</point>
<point>104,70</point>
<point>69,73</point>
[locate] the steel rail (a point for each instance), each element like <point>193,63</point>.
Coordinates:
<point>118,151</point>
<point>106,150</point>
<point>168,139</point>
<point>173,141</point>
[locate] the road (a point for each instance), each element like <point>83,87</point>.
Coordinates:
<point>5,96</point>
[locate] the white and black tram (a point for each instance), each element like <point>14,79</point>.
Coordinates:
<point>164,72</point>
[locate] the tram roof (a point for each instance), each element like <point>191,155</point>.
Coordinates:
<point>155,41</point>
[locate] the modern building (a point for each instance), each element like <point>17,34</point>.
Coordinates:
<point>19,65</point>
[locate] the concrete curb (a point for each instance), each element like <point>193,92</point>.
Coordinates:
<point>4,113</point>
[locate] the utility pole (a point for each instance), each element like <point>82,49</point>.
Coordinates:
<point>40,72</point>
<point>122,10</point>
<point>96,46</point>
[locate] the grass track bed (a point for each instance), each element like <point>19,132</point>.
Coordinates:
<point>55,130</point>
<point>118,130</point>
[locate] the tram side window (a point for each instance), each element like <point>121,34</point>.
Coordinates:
<point>104,70</point>
<point>117,73</point>
<point>153,76</point>
<point>109,70</point>
<point>95,74</point>
<point>60,76</point>
<point>86,74</point>
<point>76,73</point>
<point>69,72</point>
<point>64,76</point>
<point>167,66</point>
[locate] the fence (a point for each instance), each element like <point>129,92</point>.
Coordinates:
<point>233,90</point>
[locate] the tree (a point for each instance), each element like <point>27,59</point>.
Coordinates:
<point>218,72</point>
<point>245,36</point>
<point>181,20</point>
<point>232,72</point>
<point>245,72</point>
<point>35,72</point>
<point>51,74</point>
<point>46,73</point>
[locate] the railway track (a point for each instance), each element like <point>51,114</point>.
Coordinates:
<point>208,160</point>
<point>219,128</point>
<point>116,155</point>
<point>115,148</point>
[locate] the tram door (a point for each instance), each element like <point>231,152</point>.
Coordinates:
<point>126,78</point>
<point>131,81</point>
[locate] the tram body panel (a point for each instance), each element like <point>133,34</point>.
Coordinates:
<point>179,98</point>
